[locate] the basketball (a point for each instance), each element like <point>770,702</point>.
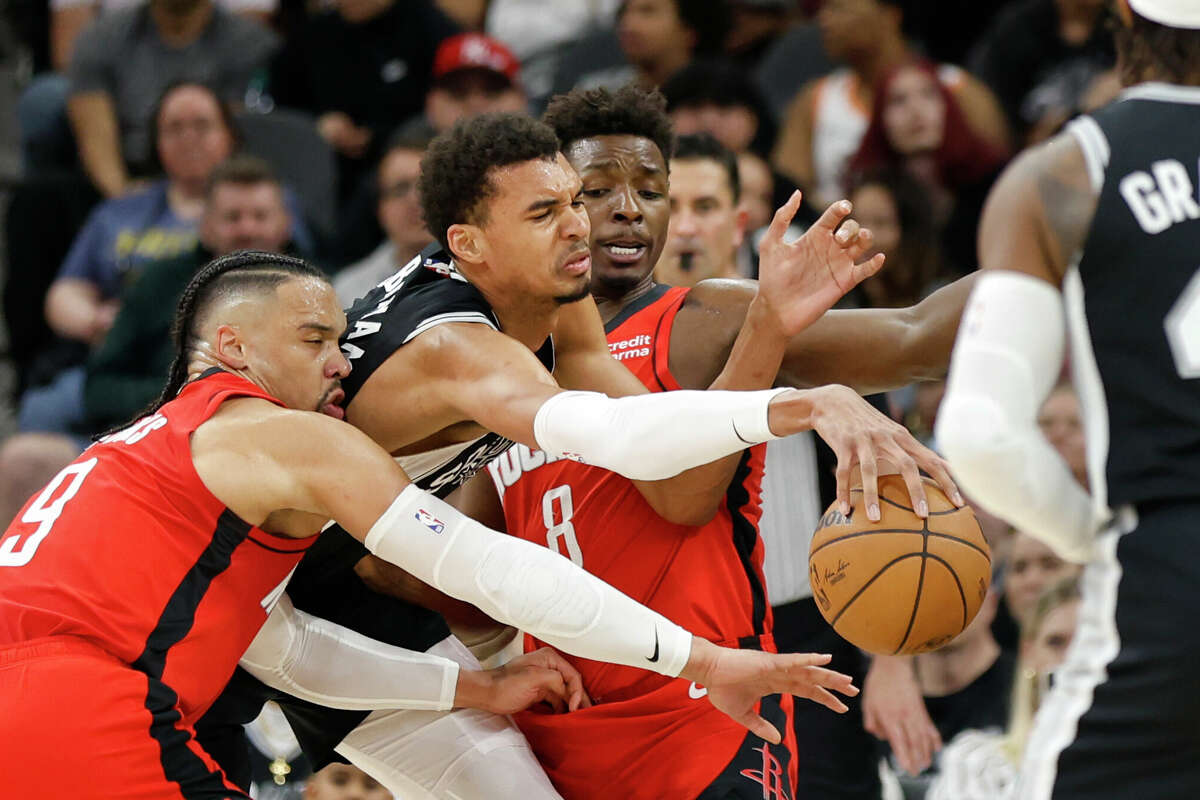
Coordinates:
<point>902,585</point>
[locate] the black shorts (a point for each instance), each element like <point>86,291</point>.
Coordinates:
<point>760,770</point>
<point>1123,719</point>
<point>326,586</point>
<point>836,757</point>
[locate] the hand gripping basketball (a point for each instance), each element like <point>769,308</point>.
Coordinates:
<point>737,679</point>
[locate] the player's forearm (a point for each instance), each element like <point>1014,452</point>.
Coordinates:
<point>329,665</point>
<point>1006,361</point>
<point>525,585</point>
<point>693,496</point>
<point>659,435</point>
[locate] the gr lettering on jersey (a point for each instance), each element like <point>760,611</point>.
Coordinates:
<point>516,461</point>
<point>1162,197</point>
<point>637,347</point>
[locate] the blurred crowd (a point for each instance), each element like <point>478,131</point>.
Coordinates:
<point>156,135</point>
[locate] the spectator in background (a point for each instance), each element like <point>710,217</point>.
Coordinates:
<point>826,121</point>
<point>707,224</point>
<point>758,190</point>
<point>1062,425</point>
<point>399,213</point>
<point>362,69</point>
<point>1032,567</point>
<point>897,210</point>
<point>1040,57</point>
<point>124,62</point>
<point>244,209</point>
<point>718,97</point>
<point>981,764</point>
<point>918,126</point>
<point>472,74</point>
<point>657,38</point>
<point>344,782</point>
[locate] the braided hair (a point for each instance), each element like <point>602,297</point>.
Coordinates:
<point>221,277</point>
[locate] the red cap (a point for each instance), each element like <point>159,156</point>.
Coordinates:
<point>474,50</point>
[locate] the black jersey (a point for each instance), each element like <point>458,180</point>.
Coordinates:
<point>426,292</point>
<point>1133,297</point>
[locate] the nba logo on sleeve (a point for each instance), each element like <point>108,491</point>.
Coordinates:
<point>430,521</point>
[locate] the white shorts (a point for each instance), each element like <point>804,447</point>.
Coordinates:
<point>464,754</point>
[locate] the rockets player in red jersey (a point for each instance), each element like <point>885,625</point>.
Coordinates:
<point>133,582</point>
<point>698,554</point>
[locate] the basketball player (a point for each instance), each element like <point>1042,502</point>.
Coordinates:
<point>1107,214</point>
<point>137,577</point>
<point>453,361</point>
<point>699,556</point>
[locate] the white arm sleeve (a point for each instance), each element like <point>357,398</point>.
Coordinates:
<point>524,585</point>
<point>652,436</point>
<point>1006,359</point>
<point>329,665</point>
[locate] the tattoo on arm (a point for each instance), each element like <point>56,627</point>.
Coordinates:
<point>1068,201</point>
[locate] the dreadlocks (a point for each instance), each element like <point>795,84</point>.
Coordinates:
<point>218,279</point>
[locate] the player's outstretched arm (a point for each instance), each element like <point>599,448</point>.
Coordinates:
<point>271,466</point>
<point>332,666</point>
<point>1009,352</point>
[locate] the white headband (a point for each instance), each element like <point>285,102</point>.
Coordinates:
<point>1172,13</point>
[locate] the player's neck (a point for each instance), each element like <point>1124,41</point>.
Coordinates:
<point>612,303</point>
<point>528,323</point>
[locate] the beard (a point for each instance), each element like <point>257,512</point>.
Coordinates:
<point>573,297</point>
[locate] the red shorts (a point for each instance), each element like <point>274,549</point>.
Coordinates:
<point>667,743</point>
<point>75,722</point>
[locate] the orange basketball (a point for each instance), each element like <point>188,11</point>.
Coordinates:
<point>901,585</point>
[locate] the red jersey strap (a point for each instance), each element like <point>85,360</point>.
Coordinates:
<point>220,386</point>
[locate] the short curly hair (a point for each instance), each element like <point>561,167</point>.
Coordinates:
<point>455,170</point>
<point>630,110</point>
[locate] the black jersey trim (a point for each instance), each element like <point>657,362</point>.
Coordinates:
<point>646,300</point>
<point>745,539</point>
<point>180,763</point>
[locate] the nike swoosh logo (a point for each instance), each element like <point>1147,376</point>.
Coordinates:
<point>654,658</point>
<point>696,692</point>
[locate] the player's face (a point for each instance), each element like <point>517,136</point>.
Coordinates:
<point>625,192</point>
<point>344,782</point>
<point>1046,651</point>
<point>536,232</point>
<point>705,228</point>
<point>293,352</point>
<point>1032,567</point>
<point>914,113</point>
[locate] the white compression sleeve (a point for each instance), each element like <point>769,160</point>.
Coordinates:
<point>652,436</point>
<point>525,585</point>
<point>1006,359</point>
<point>329,665</point>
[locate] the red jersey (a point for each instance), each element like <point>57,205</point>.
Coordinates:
<point>127,548</point>
<point>707,579</point>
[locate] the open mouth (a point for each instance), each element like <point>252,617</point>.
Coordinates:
<point>332,407</point>
<point>624,251</point>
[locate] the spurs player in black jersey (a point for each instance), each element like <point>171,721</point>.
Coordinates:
<point>470,347</point>
<point>1108,211</point>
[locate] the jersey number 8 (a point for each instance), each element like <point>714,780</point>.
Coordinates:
<point>563,530</point>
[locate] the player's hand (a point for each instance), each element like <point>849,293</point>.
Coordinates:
<point>737,679</point>
<point>894,710</point>
<point>861,436</point>
<point>542,676</point>
<point>802,280</point>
